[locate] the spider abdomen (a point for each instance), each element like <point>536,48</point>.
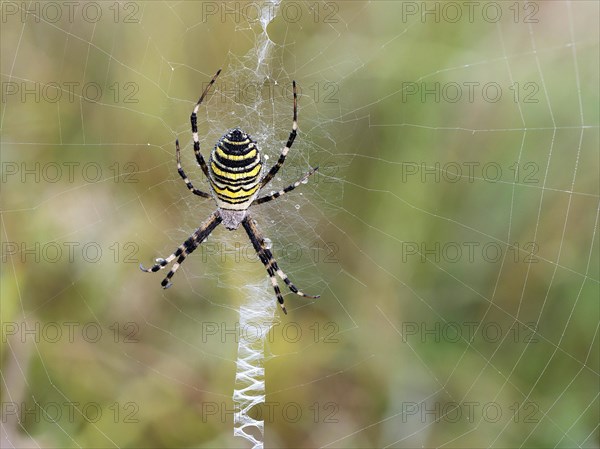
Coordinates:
<point>235,170</point>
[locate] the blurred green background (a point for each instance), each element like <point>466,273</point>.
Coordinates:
<point>451,230</point>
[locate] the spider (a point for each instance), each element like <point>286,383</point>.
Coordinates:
<point>235,177</point>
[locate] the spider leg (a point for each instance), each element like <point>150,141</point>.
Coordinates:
<point>267,198</point>
<point>184,249</point>
<point>184,176</point>
<point>266,257</point>
<point>287,147</point>
<point>194,121</point>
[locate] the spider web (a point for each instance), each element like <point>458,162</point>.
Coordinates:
<point>453,240</point>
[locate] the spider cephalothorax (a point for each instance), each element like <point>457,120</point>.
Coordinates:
<point>235,174</point>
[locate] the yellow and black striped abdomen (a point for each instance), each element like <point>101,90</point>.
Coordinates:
<point>235,170</point>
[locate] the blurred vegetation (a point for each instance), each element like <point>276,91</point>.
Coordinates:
<point>391,343</point>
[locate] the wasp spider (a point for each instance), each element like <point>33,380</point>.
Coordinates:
<point>235,176</point>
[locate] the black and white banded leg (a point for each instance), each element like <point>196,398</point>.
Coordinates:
<point>267,198</point>
<point>184,249</point>
<point>289,144</point>
<point>188,183</point>
<point>266,257</point>
<point>194,121</point>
